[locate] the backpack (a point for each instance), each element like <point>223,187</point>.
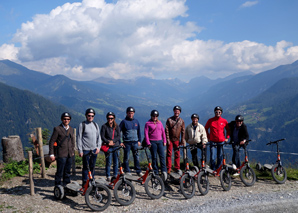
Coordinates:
<point>84,126</point>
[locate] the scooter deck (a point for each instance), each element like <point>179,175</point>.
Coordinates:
<point>268,166</point>
<point>132,178</point>
<point>74,186</point>
<point>174,175</point>
<point>101,181</point>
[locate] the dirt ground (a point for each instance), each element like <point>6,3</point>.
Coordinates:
<point>15,195</point>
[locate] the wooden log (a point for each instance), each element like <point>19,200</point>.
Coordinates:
<point>12,149</point>
<point>31,173</point>
<point>39,137</point>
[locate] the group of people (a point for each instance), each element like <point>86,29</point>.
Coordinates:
<point>216,132</point>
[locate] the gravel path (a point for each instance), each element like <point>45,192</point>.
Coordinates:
<point>264,196</point>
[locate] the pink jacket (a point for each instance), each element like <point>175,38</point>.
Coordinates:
<point>154,131</point>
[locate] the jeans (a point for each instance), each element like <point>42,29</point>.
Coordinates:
<point>131,145</point>
<point>216,146</point>
<point>236,155</point>
<point>157,148</point>
<point>88,160</point>
<point>195,159</point>
<point>175,145</point>
<point>63,170</point>
<point>113,155</point>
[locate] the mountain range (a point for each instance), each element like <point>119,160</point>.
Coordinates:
<point>265,99</point>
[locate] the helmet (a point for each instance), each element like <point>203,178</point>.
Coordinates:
<point>177,107</point>
<point>195,115</point>
<point>90,110</point>
<point>239,118</point>
<point>218,108</point>
<point>154,112</point>
<point>110,113</point>
<point>130,109</point>
<point>65,114</point>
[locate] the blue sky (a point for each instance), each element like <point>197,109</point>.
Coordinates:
<point>156,38</point>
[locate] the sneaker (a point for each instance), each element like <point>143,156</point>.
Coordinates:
<point>128,173</point>
<point>236,174</point>
<point>109,179</point>
<point>140,174</point>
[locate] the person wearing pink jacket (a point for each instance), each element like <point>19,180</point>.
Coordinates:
<point>155,138</point>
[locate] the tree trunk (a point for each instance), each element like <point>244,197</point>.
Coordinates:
<point>12,149</point>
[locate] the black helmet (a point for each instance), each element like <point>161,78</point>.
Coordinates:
<point>218,108</point>
<point>110,113</point>
<point>177,107</point>
<point>239,118</point>
<point>195,115</point>
<point>130,109</point>
<point>90,110</point>
<point>154,112</point>
<point>65,114</point>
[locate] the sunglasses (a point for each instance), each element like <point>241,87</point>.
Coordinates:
<point>90,116</point>
<point>66,119</point>
<point>110,118</point>
<point>154,116</point>
<point>217,112</point>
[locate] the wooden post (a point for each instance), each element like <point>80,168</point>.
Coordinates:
<point>73,166</point>
<point>31,173</point>
<point>40,143</point>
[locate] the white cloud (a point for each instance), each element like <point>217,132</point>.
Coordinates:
<point>134,38</point>
<point>249,4</point>
<point>8,51</point>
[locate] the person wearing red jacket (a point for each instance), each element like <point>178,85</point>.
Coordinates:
<point>215,129</point>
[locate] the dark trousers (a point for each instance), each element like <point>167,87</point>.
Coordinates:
<point>236,155</point>
<point>157,148</point>
<point>88,160</point>
<point>63,170</point>
<point>109,157</point>
<point>131,145</point>
<point>195,158</point>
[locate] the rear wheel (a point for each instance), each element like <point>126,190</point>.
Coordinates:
<point>247,175</point>
<point>154,187</point>
<point>279,174</point>
<point>59,192</point>
<point>203,183</point>
<point>225,180</point>
<point>187,186</point>
<point>124,192</point>
<point>98,197</point>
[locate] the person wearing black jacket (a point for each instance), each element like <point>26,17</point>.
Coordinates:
<point>239,135</point>
<point>110,136</point>
<point>64,138</point>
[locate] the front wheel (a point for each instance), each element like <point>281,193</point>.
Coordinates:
<point>124,192</point>
<point>279,174</point>
<point>187,186</point>
<point>98,197</point>
<point>203,183</point>
<point>154,187</point>
<point>247,175</point>
<point>225,180</point>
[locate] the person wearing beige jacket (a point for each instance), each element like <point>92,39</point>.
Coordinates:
<point>195,133</point>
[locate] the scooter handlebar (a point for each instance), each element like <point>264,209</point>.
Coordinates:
<point>271,142</point>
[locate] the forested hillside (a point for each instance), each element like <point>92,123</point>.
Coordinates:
<point>22,111</point>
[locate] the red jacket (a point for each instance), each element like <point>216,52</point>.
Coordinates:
<point>217,129</point>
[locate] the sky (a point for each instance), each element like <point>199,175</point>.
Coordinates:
<point>160,39</point>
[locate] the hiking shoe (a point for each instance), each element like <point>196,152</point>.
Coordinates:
<point>140,174</point>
